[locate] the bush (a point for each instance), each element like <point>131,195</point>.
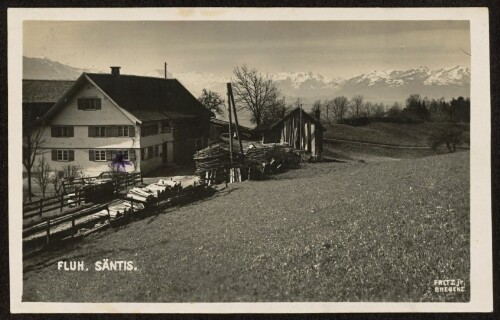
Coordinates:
<point>450,135</point>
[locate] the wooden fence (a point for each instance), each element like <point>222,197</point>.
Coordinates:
<point>74,194</point>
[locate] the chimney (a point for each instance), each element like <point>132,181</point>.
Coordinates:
<point>115,71</point>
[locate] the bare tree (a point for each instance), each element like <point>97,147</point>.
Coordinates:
<point>253,92</point>
<point>212,101</point>
<point>327,107</point>
<point>316,107</point>
<point>340,105</point>
<point>56,181</point>
<point>33,141</point>
<point>42,175</point>
<point>357,103</point>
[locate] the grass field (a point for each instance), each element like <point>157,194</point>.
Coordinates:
<point>351,231</point>
<point>385,133</point>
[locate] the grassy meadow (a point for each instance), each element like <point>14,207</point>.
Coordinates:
<point>337,231</point>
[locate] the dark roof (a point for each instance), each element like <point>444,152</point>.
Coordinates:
<point>44,91</point>
<point>145,96</point>
<point>305,114</point>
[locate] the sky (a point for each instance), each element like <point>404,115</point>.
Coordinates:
<point>339,49</point>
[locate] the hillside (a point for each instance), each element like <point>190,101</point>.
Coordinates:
<point>414,135</point>
<point>325,232</point>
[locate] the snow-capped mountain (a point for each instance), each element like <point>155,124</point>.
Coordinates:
<point>381,86</point>
<point>422,76</point>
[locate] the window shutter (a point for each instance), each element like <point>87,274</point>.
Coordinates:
<point>71,131</point>
<point>143,154</point>
<point>109,131</point>
<point>53,131</point>
<point>97,104</point>
<point>108,155</point>
<point>54,155</point>
<point>113,154</point>
<point>91,131</point>
<point>131,154</point>
<point>71,155</point>
<point>80,104</point>
<point>131,131</point>
<point>114,131</point>
<point>91,155</point>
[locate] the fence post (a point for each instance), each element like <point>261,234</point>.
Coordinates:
<point>62,202</point>
<point>48,231</point>
<point>73,231</point>
<point>142,181</point>
<point>109,215</point>
<point>41,206</point>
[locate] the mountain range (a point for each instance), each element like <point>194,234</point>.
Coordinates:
<point>377,86</point>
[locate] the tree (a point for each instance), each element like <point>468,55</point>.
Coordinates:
<point>450,135</point>
<point>253,92</point>
<point>395,110</point>
<point>357,103</point>
<point>33,141</point>
<point>275,112</point>
<point>42,175</point>
<point>212,101</point>
<point>327,107</point>
<point>379,110</point>
<point>316,109</point>
<point>416,107</point>
<point>56,181</point>
<point>340,105</point>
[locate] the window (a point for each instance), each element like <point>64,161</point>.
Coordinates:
<point>150,129</point>
<point>89,104</point>
<point>150,152</point>
<point>123,131</point>
<point>97,131</point>
<point>62,131</point>
<point>166,126</point>
<point>63,155</point>
<point>100,155</point>
<point>124,153</point>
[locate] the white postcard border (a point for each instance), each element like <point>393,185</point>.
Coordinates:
<point>481,241</point>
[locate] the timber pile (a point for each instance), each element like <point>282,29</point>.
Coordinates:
<point>215,157</point>
<point>261,154</point>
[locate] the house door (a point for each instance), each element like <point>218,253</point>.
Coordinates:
<point>164,153</point>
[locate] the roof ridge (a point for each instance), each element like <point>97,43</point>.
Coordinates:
<point>128,75</point>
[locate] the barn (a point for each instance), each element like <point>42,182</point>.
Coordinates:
<point>297,129</point>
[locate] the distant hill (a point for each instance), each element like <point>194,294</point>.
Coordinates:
<point>45,69</point>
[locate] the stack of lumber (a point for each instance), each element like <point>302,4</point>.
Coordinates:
<point>215,157</point>
<point>270,154</point>
<point>141,194</point>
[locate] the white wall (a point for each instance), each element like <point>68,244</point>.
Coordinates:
<point>89,168</point>
<point>108,115</point>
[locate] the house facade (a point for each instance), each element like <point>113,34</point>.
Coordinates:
<point>147,122</point>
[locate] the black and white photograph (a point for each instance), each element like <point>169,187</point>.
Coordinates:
<point>241,157</point>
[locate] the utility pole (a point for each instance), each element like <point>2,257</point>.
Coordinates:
<point>230,129</point>
<point>230,91</point>
<point>165,70</point>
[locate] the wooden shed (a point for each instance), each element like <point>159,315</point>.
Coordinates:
<point>297,129</point>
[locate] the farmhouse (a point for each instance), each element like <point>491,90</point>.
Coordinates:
<point>149,121</point>
<point>297,129</point>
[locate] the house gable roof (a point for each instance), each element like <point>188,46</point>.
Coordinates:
<point>44,91</point>
<point>138,94</point>
<point>304,114</point>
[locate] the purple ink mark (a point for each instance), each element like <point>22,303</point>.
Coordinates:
<point>119,163</point>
